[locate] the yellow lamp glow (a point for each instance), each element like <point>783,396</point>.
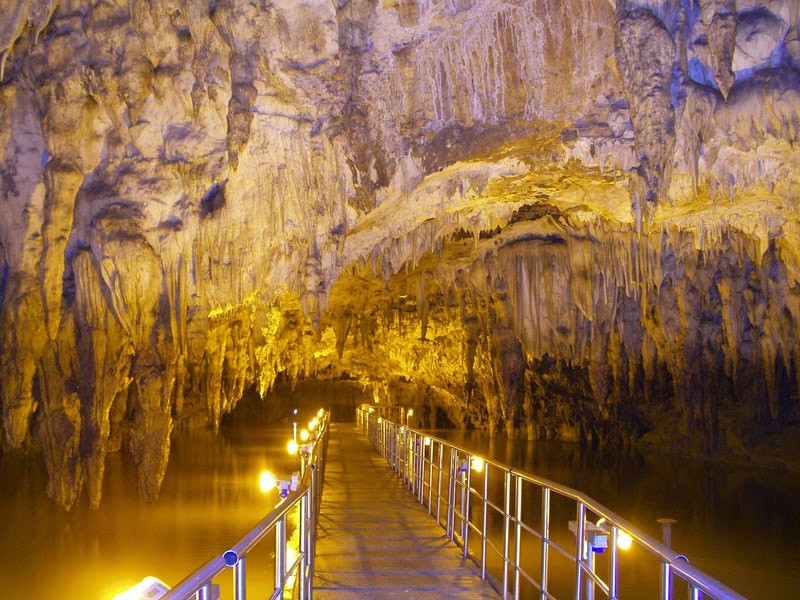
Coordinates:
<point>624,541</point>
<point>304,435</point>
<point>149,587</point>
<point>292,447</point>
<point>477,464</point>
<point>320,412</point>
<point>267,481</point>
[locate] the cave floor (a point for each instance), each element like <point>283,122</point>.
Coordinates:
<point>374,540</point>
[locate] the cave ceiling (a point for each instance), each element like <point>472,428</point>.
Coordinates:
<point>554,219</point>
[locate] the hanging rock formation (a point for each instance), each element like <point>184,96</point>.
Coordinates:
<point>561,219</point>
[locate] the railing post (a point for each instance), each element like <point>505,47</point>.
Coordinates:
<point>451,495</point>
<point>666,581</point>
<point>439,485</point>
<point>405,455</point>
<point>312,531</point>
<point>518,539</point>
<point>239,585</point>
<point>280,550</point>
<point>421,469</point>
<point>484,525</point>
<point>465,502</point>
<point>590,580</point>
<point>430,477</point>
<point>545,538</point>
<point>506,529</point>
<point>613,564</point>
<point>579,548</point>
<point>304,545</point>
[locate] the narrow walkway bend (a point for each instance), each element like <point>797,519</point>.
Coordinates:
<point>374,540</point>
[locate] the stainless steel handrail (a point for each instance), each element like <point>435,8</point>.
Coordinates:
<point>416,456</point>
<point>305,499</point>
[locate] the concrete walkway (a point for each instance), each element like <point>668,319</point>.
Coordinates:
<point>374,540</point>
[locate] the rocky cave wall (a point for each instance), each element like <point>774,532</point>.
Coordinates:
<point>553,219</point>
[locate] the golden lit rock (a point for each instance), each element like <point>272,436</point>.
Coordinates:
<point>562,219</point>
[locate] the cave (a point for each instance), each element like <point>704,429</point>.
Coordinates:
<point>570,220</point>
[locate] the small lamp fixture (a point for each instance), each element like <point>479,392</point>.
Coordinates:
<point>148,588</point>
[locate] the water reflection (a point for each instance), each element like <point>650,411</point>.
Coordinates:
<point>740,525</point>
<point>210,497</point>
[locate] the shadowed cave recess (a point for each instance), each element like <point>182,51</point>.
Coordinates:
<point>551,219</point>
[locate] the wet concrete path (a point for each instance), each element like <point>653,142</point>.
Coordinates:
<point>374,540</point>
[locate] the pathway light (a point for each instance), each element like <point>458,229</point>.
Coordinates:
<point>267,481</point>
<point>149,587</point>
<point>624,540</point>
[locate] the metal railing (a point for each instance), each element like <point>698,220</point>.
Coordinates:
<point>294,567</point>
<point>504,520</point>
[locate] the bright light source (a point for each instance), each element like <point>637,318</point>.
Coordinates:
<point>304,435</point>
<point>267,481</point>
<point>477,464</point>
<point>624,541</point>
<point>410,412</point>
<point>292,447</point>
<point>320,412</point>
<point>313,424</point>
<point>149,587</point>
<point>380,420</point>
<point>426,441</point>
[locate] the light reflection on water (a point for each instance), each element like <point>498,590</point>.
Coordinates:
<point>740,525</point>
<point>210,498</point>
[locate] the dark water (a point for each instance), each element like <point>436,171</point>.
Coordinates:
<point>740,525</point>
<point>210,498</point>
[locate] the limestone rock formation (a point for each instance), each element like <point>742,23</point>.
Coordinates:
<point>566,219</point>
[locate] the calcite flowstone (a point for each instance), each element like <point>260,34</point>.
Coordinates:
<point>568,219</point>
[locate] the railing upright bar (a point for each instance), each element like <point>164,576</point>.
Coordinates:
<point>312,538</point>
<point>430,478</point>
<point>439,485</point>
<point>449,528</point>
<point>518,539</point>
<point>420,462</point>
<point>484,532</point>
<point>613,564</point>
<point>303,548</point>
<point>666,581</point>
<point>506,529</point>
<point>579,548</point>
<point>280,557</point>
<point>466,499</point>
<point>239,585</point>
<point>545,539</point>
